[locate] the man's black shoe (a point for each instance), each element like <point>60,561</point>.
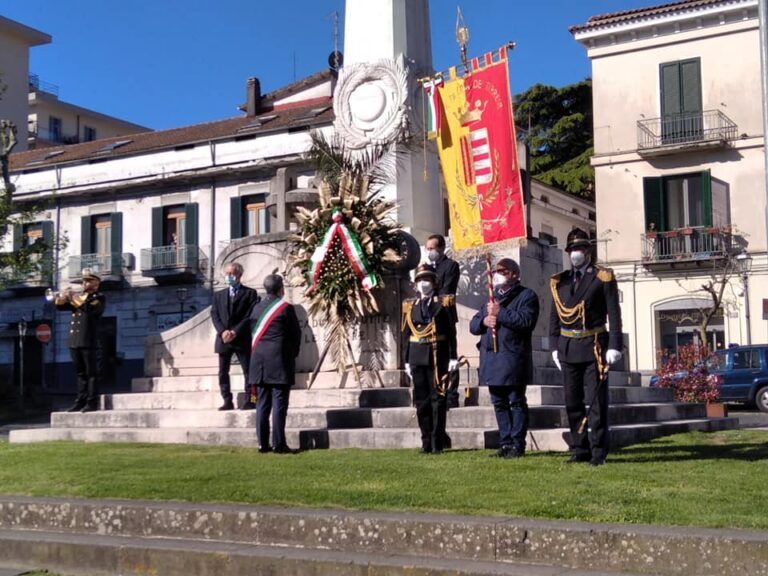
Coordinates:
<point>226,406</point>
<point>578,458</point>
<point>436,451</point>
<point>597,461</point>
<point>264,450</point>
<point>248,406</point>
<point>76,407</point>
<point>89,408</point>
<point>502,452</point>
<point>284,450</point>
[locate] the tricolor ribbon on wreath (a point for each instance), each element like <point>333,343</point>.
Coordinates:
<point>352,249</point>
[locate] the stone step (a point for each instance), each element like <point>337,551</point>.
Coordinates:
<point>334,418</point>
<point>370,438</point>
<point>391,396</point>
<point>542,376</point>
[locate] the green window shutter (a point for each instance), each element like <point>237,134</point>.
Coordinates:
<point>706,195</point>
<point>191,223</point>
<point>191,234</point>
<point>46,264</point>
<point>116,239</point>
<point>157,227</point>
<point>18,237</point>
<point>86,242</point>
<point>670,88</point>
<point>236,217</point>
<point>690,80</point>
<point>47,227</point>
<point>654,203</point>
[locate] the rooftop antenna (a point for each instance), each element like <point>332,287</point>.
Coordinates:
<point>462,37</point>
<point>335,58</point>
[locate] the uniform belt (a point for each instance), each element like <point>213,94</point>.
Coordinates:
<point>427,339</point>
<point>581,333</point>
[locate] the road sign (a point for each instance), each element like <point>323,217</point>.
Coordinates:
<point>43,332</point>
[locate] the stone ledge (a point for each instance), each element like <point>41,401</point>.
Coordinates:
<point>577,545</point>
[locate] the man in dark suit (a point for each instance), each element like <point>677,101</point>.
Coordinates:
<point>230,315</point>
<point>506,366</point>
<point>86,307</point>
<point>431,334</point>
<point>583,347</point>
<point>275,343</point>
<point>448,274</point>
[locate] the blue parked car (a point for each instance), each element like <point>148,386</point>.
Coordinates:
<point>744,374</point>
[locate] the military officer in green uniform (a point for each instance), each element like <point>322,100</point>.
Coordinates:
<point>431,348</point>
<point>583,346</point>
<point>86,307</point>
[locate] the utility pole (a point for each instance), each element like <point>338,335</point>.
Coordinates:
<point>763,18</point>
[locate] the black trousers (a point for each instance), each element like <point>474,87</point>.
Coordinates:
<point>225,361</point>
<point>86,369</point>
<point>272,400</point>
<point>580,380</point>
<point>431,409</point>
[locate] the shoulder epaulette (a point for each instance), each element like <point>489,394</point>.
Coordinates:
<point>557,275</point>
<point>407,305</point>
<point>604,274</point>
<point>448,299</point>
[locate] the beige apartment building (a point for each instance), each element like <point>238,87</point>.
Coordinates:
<point>679,169</point>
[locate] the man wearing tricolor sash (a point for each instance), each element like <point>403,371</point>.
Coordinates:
<point>275,343</point>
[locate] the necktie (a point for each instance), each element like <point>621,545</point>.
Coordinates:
<point>577,279</point>
<point>232,291</point>
<point>425,310</point>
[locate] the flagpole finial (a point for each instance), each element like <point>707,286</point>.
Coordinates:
<point>462,36</point>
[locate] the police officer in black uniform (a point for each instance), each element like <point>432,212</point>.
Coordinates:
<point>86,307</point>
<point>431,334</point>
<point>583,346</point>
<point>448,274</point>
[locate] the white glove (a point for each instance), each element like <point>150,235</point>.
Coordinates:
<point>453,365</point>
<point>612,356</point>
<point>408,371</point>
<point>556,360</point>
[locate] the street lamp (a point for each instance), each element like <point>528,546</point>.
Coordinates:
<point>744,260</point>
<point>22,335</point>
<point>181,294</point>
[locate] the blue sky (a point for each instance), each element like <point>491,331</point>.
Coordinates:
<point>169,63</point>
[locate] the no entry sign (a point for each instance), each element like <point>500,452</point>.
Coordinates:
<point>43,332</point>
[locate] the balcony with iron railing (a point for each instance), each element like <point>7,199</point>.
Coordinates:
<point>687,245</point>
<point>174,262</point>
<point>674,132</point>
<point>109,266</point>
<point>37,85</point>
<point>30,278</point>
<point>37,133</point>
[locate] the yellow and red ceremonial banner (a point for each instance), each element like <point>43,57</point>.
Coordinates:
<point>478,154</point>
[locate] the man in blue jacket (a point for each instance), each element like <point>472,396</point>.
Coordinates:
<point>506,365</point>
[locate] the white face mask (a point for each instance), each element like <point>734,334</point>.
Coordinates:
<point>425,288</point>
<point>578,258</point>
<point>498,280</point>
<point>433,255</point>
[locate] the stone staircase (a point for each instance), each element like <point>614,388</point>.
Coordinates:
<point>182,409</point>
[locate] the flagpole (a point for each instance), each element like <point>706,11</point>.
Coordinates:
<point>491,298</point>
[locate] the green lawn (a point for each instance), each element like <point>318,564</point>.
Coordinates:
<point>690,479</point>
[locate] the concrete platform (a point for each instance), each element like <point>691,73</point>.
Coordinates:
<point>172,538</point>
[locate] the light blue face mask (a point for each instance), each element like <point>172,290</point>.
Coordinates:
<point>229,280</point>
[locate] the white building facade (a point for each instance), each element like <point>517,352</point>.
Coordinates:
<point>679,169</point>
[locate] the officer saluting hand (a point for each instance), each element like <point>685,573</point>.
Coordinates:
<point>583,346</point>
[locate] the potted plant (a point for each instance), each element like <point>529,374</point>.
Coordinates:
<point>688,373</point>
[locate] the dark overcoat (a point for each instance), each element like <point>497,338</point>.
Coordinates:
<point>273,360</point>
<point>512,363</point>
<point>233,314</point>
<point>85,318</point>
<point>600,294</point>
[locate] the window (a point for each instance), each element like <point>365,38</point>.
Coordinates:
<point>249,216</point>
<point>684,201</point>
<point>101,242</point>
<point>746,359</point>
<point>89,134</point>
<point>33,233</point>
<point>54,129</point>
<point>174,235</point>
<point>681,114</point>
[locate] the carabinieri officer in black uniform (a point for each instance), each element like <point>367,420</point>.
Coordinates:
<point>428,324</point>
<point>86,307</point>
<point>583,346</point>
